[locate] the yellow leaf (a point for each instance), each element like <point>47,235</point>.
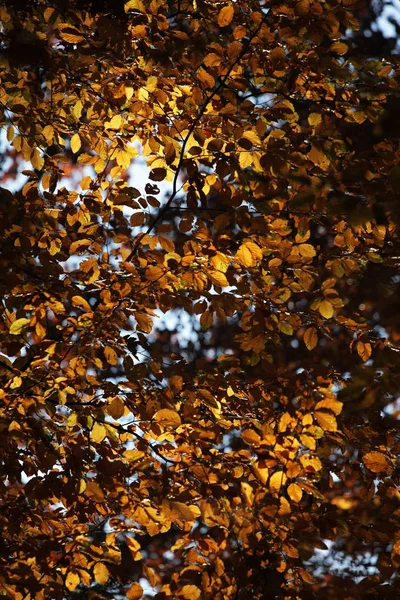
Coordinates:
<point>248,493</point>
<point>18,326</point>
<point>326,309</point>
<point>135,592</point>
<point>116,408</point>
<point>115,122</point>
<point>110,355</point>
<point>244,256</point>
<point>295,492</point>
<point>326,420</point>
<point>190,592</point>
<point>220,262</point>
<point>261,471</point>
<point>376,462</point>
<point>364,350</point>
<point>165,416</point>
<point>218,278</point>
<point>308,461</point>
<point>225,16</point>
<point>76,143</point>
<point>98,433</point>
<point>134,5</point>
<point>72,581</point>
<point>101,573</point>
<point>206,78</point>
<point>81,302</point>
<point>334,405</point>
<point>37,160</point>
<point>307,250</point>
<point>314,119</point>
<point>277,481</point>
<point>310,338</point>
<point>245,159</point>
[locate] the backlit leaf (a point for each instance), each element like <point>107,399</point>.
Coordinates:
<point>19,325</point>
<point>310,338</point>
<point>135,592</point>
<point>168,417</point>
<point>76,143</point>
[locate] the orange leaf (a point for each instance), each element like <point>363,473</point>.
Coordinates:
<point>364,350</point>
<point>225,16</point>
<point>376,462</point>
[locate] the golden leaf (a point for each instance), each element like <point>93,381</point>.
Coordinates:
<point>72,581</point>
<point>101,573</point>
<point>110,355</point>
<point>19,325</point>
<point>81,302</point>
<point>98,433</point>
<point>37,160</point>
<point>225,16</point>
<point>190,592</point>
<point>310,338</point>
<point>277,481</point>
<point>134,548</point>
<point>314,119</point>
<point>295,492</point>
<point>244,256</point>
<point>248,493</point>
<point>218,278</point>
<point>330,404</point>
<point>70,34</point>
<point>245,159</point>
<point>261,471</point>
<point>220,262</point>
<point>376,462</point>
<point>326,420</point>
<point>311,461</point>
<point>364,350</point>
<point>135,592</point>
<point>168,417</point>
<point>76,143</point>
<point>307,250</point>
<point>326,309</point>
<point>134,5</point>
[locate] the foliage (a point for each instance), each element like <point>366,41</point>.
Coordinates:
<point>218,456</point>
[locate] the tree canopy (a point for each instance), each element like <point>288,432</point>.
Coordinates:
<point>200,325</point>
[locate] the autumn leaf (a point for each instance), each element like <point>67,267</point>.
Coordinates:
<point>101,573</point>
<point>218,278</point>
<point>167,417</point>
<point>364,350</point>
<point>72,581</point>
<point>135,592</point>
<point>225,16</point>
<point>98,433</point>
<point>277,482</point>
<point>295,492</point>
<point>326,309</point>
<point>76,143</point>
<point>310,338</point>
<point>376,462</point>
<point>18,326</point>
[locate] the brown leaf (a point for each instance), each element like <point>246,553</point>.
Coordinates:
<point>310,338</point>
<point>376,462</point>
